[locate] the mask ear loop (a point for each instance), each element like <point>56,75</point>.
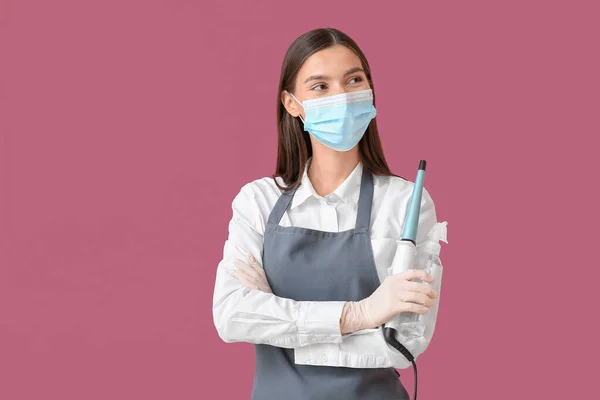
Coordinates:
<point>301,119</point>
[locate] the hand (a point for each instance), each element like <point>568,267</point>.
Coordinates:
<point>252,275</point>
<point>395,294</point>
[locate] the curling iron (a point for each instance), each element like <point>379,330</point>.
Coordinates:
<point>403,260</point>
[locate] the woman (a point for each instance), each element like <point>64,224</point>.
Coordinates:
<point>319,236</point>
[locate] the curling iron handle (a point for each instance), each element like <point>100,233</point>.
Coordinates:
<point>403,260</point>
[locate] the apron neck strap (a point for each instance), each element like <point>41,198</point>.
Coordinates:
<point>280,206</point>
<point>365,200</point>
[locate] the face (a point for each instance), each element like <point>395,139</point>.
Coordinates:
<point>328,72</point>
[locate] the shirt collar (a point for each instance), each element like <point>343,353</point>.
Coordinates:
<point>348,191</point>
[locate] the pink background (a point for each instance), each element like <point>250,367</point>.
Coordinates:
<point>127,127</point>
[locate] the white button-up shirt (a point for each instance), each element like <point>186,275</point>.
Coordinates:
<point>312,328</point>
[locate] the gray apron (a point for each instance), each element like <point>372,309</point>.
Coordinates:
<point>311,265</point>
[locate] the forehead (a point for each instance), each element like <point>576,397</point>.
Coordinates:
<point>333,61</point>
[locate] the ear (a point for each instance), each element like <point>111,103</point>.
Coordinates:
<point>291,105</point>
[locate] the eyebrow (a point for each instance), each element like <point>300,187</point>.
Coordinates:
<point>327,78</point>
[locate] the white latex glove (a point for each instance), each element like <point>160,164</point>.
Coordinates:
<point>251,274</point>
<point>395,294</point>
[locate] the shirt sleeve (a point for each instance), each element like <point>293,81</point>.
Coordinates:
<point>244,315</point>
<point>367,348</point>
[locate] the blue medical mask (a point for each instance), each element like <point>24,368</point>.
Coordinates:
<point>339,121</point>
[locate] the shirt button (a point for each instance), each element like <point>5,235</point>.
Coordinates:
<point>314,339</point>
<point>324,358</point>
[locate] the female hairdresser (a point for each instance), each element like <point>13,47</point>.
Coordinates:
<point>304,273</point>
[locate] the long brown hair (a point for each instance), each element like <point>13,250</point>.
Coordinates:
<point>293,144</point>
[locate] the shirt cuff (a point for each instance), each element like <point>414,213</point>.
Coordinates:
<point>319,322</point>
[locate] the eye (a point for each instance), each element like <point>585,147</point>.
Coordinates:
<point>318,86</point>
<point>356,79</point>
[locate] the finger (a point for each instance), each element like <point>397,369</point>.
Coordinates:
<point>407,306</point>
<point>258,268</point>
<point>417,308</point>
<point>421,288</point>
<point>417,274</point>
<point>409,302</point>
<point>255,264</point>
<point>262,285</point>
<point>245,269</point>
<point>249,283</point>
<point>251,276</point>
<point>243,266</point>
<point>242,278</point>
<point>253,273</point>
<point>417,298</point>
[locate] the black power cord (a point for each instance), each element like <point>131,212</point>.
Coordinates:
<point>390,337</point>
